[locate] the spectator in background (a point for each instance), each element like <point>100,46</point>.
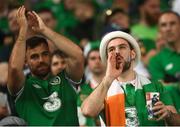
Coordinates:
<point>3,15</point>
<point>165,66</point>
<point>4,104</point>
<point>146,28</point>
<point>93,64</point>
<point>43,99</point>
<point>83,32</point>
<point>122,91</point>
<point>97,70</point>
<point>6,101</point>
<point>65,16</point>
<point>58,62</point>
<point>8,38</point>
<point>116,19</point>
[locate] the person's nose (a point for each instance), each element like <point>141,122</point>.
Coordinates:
<point>40,59</point>
<point>117,50</point>
<point>168,27</point>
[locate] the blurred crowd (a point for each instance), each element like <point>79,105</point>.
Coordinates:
<point>85,22</point>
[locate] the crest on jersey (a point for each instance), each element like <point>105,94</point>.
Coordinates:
<point>55,81</point>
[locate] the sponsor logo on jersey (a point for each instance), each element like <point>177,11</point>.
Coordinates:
<point>131,117</point>
<point>169,66</point>
<point>53,102</point>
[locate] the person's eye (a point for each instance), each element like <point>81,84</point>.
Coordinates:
<point>45,53</point>
<point>34,57</point>
<point>110,49</point>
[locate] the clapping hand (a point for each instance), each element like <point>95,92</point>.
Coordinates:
<point>21,18</point>
<point>35,22</point>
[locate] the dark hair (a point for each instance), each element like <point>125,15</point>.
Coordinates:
<point>114,12</point>
<point>94,49</point>
<point>170,12</point>
<point>59,53</point>
<point>35,41</point>
<point>46,9</point>
<point>87,57</point>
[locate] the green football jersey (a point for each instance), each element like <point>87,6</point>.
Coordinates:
<point>165,65</point>
<point>174,90</point>
<point>85,91</point>
<point>144,32</point>
<point>48,102</point>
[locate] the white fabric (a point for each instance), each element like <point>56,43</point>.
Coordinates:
<point>115,87</point>
<point>176,6</point>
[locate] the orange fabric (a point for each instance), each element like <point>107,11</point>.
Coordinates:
<point>115,110</point>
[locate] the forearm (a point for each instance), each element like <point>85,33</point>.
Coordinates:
<point>16,63</point>
<point>75,62</point>
<point>95,102</point>
<point>18,53</point>
<point>63,43</point>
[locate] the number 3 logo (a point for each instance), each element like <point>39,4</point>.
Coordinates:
<point>53,103</point>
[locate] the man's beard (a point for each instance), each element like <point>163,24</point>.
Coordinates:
<point>42,75</point>
<point>39,74</point>
<point>127,65</point>
<point>151,20</point>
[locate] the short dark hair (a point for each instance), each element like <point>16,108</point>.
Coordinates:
<point>114,12</point>
<point>94,49</point>
<point>170,12</point>
<point>59,53</point>
<point>35,41</point>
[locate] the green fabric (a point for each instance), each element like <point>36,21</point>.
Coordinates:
<point>4,24</point>
<point>166,62</point>
<point>65,20</point>
<point>48,102</point>
<point>140,104</point>
<point>129,95</point>
<point>174,90</point>
<point>148,44</point>
<point>144,32</point>
<point>82,95</point>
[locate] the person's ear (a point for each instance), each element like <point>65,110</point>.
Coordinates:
<point>133,54</point>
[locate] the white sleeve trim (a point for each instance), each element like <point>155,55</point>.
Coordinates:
<point>18,94</point>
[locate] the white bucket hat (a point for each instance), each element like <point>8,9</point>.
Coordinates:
<point>118,34</point>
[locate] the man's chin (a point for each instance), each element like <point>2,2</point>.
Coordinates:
<point>42,76</point>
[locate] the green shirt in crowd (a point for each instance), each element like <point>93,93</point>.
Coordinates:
<point>85,91</point>
<point>174,90</point>
<point>165,65</point>
<point>144,32</point>
<point>48,102</point>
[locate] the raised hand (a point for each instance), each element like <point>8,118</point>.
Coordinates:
<point>21,18</point>
<point>35,22</point>
<point>114,65</point>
